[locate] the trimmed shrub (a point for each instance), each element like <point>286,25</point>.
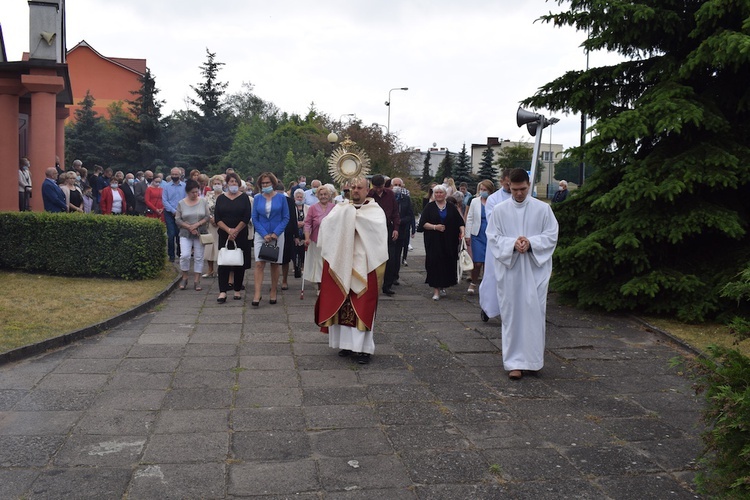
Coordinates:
<point>82,244</point>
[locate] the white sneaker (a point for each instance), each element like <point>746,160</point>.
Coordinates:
<point>443,293</point>
<point>436,297</point>
<point>410,247</point>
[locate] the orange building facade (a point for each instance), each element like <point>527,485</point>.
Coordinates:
<point>107,79</point>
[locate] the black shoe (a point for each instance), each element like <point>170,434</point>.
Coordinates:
<point>297,273</point>
<point>345,352</point>
<point>363,358</point>
<point>271,301</point>
<point>221,300</point>
<point>256,303</point>
<point>396,283</point>
<point>389,292</point>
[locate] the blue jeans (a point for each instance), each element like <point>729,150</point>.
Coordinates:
<point>171,234</point>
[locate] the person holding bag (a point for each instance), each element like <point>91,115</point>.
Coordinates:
<point>231,215</point>
<point>270,217</point>
<point>191,218</point>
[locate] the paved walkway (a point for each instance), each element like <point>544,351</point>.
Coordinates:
<point>202,400</point>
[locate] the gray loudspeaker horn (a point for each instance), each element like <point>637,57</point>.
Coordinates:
<point>524,116</point>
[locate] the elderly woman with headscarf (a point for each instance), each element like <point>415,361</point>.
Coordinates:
<point>443,228</point>
<point>315,215</point>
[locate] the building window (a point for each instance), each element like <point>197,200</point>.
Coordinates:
<point>547,156</point>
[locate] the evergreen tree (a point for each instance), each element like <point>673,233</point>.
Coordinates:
<point>518,156</point>
<point>486,168</point>
<point>661,224</point>
<point>462,172</point>
<point>119,148</point>
<point>148,128</point>
<point>446,167</point>
<point>212,124</point>
<point>426,177</point>
<point>84,136</point>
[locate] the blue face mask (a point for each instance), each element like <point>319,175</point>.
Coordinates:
<point>484,194</point>
<point>267,190</point>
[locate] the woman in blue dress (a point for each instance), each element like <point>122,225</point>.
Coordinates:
<point>476,225</point>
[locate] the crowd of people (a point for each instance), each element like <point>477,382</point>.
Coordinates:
<point>328,238</point>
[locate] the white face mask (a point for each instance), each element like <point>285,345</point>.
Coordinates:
<point>218,187</point>
<point>559,188</point>
<point>397,190</point>
<point>234,189</point>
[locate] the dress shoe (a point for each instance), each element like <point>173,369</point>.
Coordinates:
<point>221,300</point>
<point>271,301</point>
<point>256,303</point>
<point>363,358</point>
<point>345,352</point>
<point>396,283</point>
<point>515,375</point>
<point>389,292</point>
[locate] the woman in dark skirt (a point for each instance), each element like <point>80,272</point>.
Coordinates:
<point>443,229</point>
<point>232,213</point>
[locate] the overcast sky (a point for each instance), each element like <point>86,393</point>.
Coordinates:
<point>467,63</point>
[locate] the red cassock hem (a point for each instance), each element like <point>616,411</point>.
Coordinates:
<point>331,299</point>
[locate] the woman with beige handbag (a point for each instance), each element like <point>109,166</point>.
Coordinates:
<point>191,218</point>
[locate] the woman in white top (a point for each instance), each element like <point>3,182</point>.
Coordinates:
<point>476,225</point>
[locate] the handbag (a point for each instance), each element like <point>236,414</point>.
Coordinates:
<point>231,256</point>
<point>465,263</point>
<point>207,239</point>
<point>269,252</point>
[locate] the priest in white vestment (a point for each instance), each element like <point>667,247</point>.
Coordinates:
<point>521,238</point>
<point>353,241</point>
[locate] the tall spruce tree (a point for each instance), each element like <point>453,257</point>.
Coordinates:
<point>426,176</point>
<point>84,136</point>
<point>487,168</point>
<point>446,167</point>
<point>212,123</point>
<point>661,224</point>
<point>462,171</point>
<point>148,128</point>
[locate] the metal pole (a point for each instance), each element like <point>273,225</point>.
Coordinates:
<point>388,104</point>
<point>535,153</point>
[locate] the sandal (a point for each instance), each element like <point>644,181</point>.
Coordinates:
<point>472,289</point>
<point>515,375</point>
<point>285,287</point>
<point>197,287</point>
<point>183,284</point>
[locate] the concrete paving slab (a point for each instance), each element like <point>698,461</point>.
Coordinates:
<point>199,399</point>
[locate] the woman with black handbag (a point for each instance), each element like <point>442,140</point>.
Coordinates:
<point>232,214</point>
<point>270,218</point>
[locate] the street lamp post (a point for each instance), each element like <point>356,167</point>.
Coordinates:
<point>388,104</point>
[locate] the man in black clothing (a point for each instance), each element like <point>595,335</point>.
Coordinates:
<point>387,201</point>
<point>406,215</point>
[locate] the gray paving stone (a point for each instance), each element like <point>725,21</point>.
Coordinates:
<point>349,442</point>
<point>72,381</point>
<point>373,494</point>
<point>217,363</point>
<point>268,378</point>
<point>447,467</point>
<point>19,380</point>
<point>267,362</point>
<point>268,419</point>
<point>88,365</point>
<point>480,491</point>
<point>155,351</point>
<point>270,445</point>
<point>172,339</point>
<point>205,350</point>
<point>652,486</point>
<point>329,378</point>
<point>569,431</point>
<point>196,447</point>
<point>99,351</point>
<point>273,478</point>
<point>116,422</point>
<point>148,365</point>
<point>562,489</point>
<point>379,472</point>
<point>609,460</point>
<point>326,396</point>
<point>530,464</point>
<point>413,438</point>
<point>81,482</point>
<point>179,481</point>
<point>204,379</point>
<point>191,421</point>
<point>14,482</point>
<point>129,399</point>
<point>416,413</point>
<point>28,451</point>
<point>56,400</point>
<point>100,451</point>
<point>340,416</point>
<point>38,423</point>
<point>268,396</point>
<point>395,393</point>
<point>143,381</point>
<point>252,348</point>
<point>196,399</point>
<point>9,398</point>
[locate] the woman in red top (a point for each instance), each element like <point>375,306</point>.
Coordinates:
<point>154,201</point>
<point>113,200</point>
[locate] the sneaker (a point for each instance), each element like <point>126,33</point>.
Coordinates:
<point>410,247</point>
<point>436,297</point>
<point>363,358</point>
<point>443,293</point>
<point>404,263</point>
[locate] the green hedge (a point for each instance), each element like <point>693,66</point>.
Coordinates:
<point>82,245</point>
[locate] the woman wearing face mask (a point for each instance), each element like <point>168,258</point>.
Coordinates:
<point>153,200</point>
<point>113,200</point>
<point>270,217</point>
<point>315,215</point>
<point>231,214</point>
<point>191,218</point>
<point>476,226</point>
<point>211,250</point>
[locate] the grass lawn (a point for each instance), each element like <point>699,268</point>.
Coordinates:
<point>701,335</point>
<point>36,307</point>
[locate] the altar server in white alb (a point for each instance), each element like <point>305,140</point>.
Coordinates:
<point>521,238</point>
